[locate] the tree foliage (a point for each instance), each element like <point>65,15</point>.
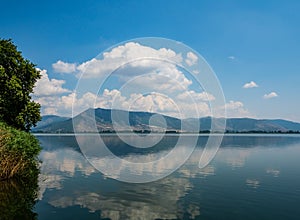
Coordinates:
<point>17,78</point>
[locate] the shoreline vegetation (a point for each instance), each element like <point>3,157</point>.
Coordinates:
<point>18,154</point>
<point>171,132</point>
<point>19,149</point>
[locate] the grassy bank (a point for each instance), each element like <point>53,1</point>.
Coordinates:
<point>18,153</point>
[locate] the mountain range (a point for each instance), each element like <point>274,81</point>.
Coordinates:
<point>139,122</point>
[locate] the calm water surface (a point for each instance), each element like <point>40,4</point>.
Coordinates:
<point>251,177</point>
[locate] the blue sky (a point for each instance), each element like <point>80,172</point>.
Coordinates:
<point>243,41</point>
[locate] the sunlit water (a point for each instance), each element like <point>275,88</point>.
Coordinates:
<point>251,177</point>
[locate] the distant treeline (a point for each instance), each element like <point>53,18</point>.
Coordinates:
<point>180,132</point>
<point>263,132</point>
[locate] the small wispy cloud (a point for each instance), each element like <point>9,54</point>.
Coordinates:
<point>191,58</point>
<point>236,109</point>
<point>270,95</point>
<point>249,85</point>
<point>231,57</point>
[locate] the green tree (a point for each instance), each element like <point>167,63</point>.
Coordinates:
<point>17,78</point>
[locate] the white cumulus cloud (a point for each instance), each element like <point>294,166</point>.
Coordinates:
<point>161,78</point>
<point>62,105</point>
<point>132,54</point>
<point>142,67</point>
<point>249,85</point>
<point>177,106</point>
<point>197,97</point>
<point>140,76</point>
<point>63,67</point>
<point>270,95</point>
<point>47,87</point>
<point>153,102</point>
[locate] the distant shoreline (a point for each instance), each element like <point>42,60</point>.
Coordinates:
<point>168,133</point>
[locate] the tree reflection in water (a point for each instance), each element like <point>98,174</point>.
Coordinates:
<point>17,199</point>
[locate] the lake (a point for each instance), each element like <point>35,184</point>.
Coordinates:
<point>251,177</point>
